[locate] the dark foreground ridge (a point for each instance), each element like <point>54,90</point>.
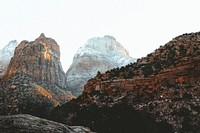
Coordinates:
<point>160,93</point>
<point>30,124</point>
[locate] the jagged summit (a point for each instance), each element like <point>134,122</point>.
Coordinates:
<point>42,35</point>
<point>97,54</point>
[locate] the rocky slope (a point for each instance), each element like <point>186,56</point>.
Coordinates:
<point>97,54</point>
<point>34,81</point>
<point>30,124</point>
<point>6,54</point>
<point>158,93</point>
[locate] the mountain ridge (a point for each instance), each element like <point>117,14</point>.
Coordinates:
<point>164,86</point>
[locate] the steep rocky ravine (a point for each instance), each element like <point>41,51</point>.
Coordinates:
<point>158,93</point>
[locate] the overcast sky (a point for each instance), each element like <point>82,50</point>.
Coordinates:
<point>140,26</point>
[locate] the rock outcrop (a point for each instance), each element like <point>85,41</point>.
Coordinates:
<point>29,124</point>
<point>158,93</point>
<point>40,59</point>
<point>5,55</point>
<point>34,82</point>
<point>98,54</point>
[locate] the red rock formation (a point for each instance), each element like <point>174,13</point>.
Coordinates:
<point>35,81</point>
<point>165,85</point>
<point>40,59</point>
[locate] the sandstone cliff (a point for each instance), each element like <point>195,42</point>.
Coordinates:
<point>34,81</point>
<point>158,93</point>
<point>40,59</point>
<point>97,54</point>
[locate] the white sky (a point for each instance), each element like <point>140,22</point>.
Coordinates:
<point>140,26</point>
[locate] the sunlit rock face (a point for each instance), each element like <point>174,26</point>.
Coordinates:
<point>97,54</point>
<point>40,59</point>
<point>6,54</point>
<point>34,82</point>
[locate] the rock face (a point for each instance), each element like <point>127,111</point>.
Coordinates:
<point>40,59</point>
<point>98,54</point>
<point>34,82</point>
<point>158,93</point>
<point>5,55</point>
<point>30,124</point>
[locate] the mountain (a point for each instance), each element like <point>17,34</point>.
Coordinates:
<point>24,123</point>
<point>34,81</point>
<point>40,59</point>
<point>97,54</point>
<point>6,54</point>
<point>159,93</point>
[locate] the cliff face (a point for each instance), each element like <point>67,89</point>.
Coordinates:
<point>5,55</point>
<point>34,81</point>
<point>97,54</point>
<point>40,59</point>
<point>163,87</point>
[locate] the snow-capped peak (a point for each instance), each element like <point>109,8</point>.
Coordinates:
<point>7,52</point>
<point>105,47</point>
<point>10,46</point>
<point>102,45</point>
<point>97,54</point>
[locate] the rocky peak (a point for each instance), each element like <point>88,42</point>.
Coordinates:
<point>6,54</point>
<point>34,82</point>
<point>40,59</point>
<point>11,45</point>
<point>51,48</point>
<point>97,54</point>
<point>42,35</point>
<point>102,45</point>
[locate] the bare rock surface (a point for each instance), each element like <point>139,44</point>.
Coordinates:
<point>23,123</point>
<point>40,59</point>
